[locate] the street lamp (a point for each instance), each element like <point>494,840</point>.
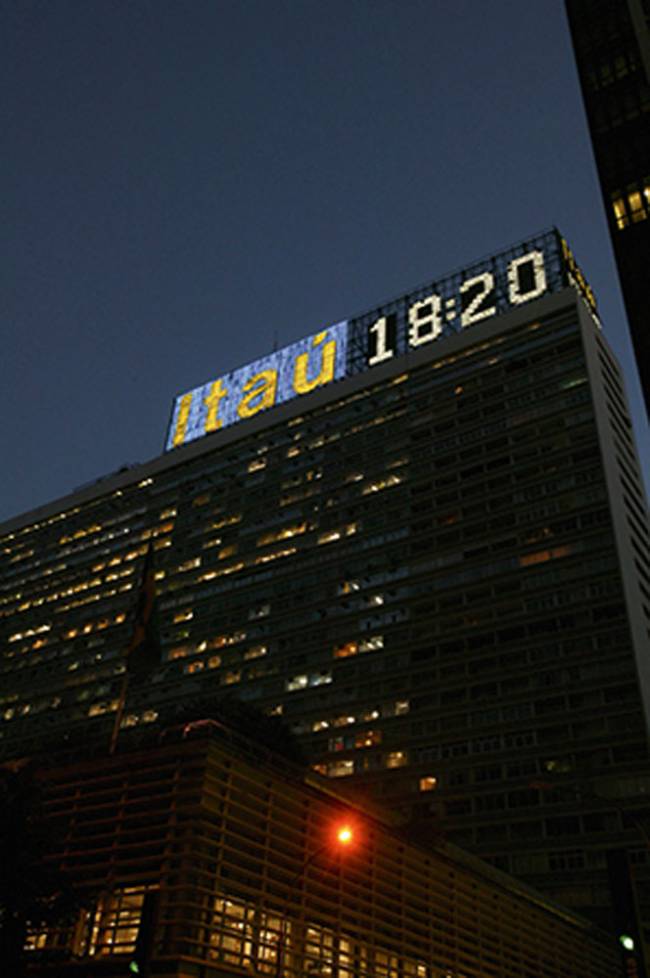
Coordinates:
<point>342,838</point>
<point>345,835</point>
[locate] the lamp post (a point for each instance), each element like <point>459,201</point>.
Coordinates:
<point>343,837</point>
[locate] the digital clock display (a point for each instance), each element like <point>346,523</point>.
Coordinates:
<point>448,305</point>
<point>454,303</point>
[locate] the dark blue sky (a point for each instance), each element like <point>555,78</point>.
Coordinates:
<point>184,183</point>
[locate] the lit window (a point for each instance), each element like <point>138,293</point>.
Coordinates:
<point>344,531</point>
<point>348,587</point>
<point>637,210</point>
<point>275,555</point>
<point>116,922</point>
<point>320,678</point>
<point>428,783</point>
<point>36,940</point>
<point>297,682</point>
<point>397,758</point>
<point>285,533</point>
<point>620,216</point>
<point>343,721</point>
<point>340,769</point>
<point>379,484</point>
<point>371,715</point>
<point>344,651</point>
<point>368,738</point>
<point>189,565</point>
<point>97,709</point>
<point>226,521</point>
<point>215,542</point>
<point>543,555</point>
<point>372,643</point>
<point>255,652</point>
<point>179,652</point>
<point>330,536</point>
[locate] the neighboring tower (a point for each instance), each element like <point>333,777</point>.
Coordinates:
<point>611,39</point>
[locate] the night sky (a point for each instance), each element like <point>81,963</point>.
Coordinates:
<point>187,184</point>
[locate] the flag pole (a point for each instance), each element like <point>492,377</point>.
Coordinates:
<point>120,710</point>
<point>144,608</point>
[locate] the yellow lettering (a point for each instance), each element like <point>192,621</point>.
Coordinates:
<point>182,419</point>
<point>262,386</point>
<point>301,384</point>
<point>213,400</point>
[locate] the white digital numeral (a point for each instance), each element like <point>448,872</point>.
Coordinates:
<point>425,320</point>
<point>482,285</point>
<point>380,331</point>
<point>526,278</point>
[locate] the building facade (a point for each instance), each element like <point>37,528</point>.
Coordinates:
<point>611,40</point>
<point>202,854</point>
<point>434,567</point>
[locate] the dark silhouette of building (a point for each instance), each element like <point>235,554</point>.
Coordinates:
<point>198,852</point>
<point>611,40</point>
<point>424,545</point>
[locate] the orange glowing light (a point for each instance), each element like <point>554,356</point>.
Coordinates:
<point>345,835</point>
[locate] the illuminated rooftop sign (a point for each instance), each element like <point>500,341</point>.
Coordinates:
<point>296,369</point>
<point>449,305</point>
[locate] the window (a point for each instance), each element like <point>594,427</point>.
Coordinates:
<point>340,769</point>
<point>231,932</point>
<point>368,738</point>
<point>346,650</point>
<point>372,643</point>
<point>632,205</point>
<point>428,783</point>
<point>397,758</point>
<point>297,682</point>
<point>116,921</point>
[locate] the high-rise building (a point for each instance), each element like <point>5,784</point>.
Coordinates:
<point>611,39</point>
<point>420,537</point>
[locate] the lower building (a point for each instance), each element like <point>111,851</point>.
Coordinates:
<point>200,854</point>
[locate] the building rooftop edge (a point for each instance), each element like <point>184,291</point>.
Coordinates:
<point>224,736</point>
<point>125,477</point>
